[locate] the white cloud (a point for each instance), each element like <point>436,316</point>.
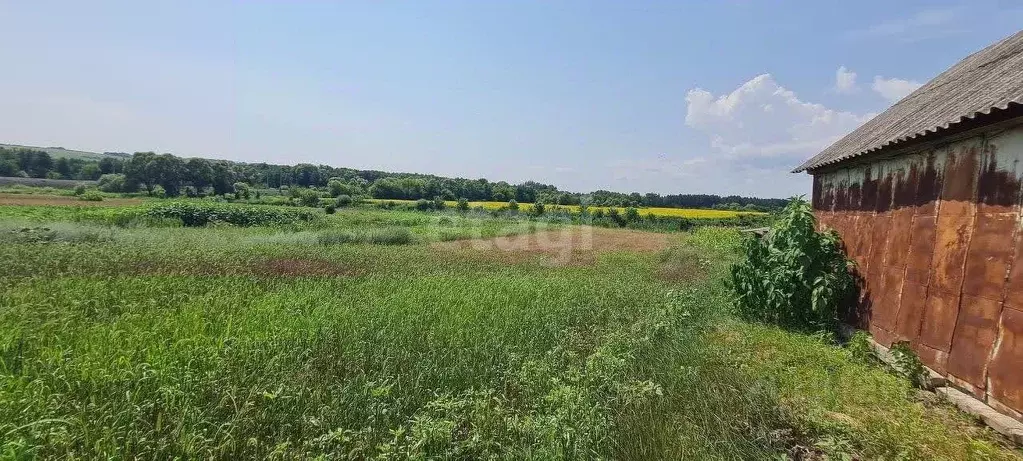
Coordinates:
<point>845,80</point>
<point>925,24</point>
<point>894,89</point>
<point>762,120</point>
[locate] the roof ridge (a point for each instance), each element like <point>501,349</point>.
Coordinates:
<point>989,79</point>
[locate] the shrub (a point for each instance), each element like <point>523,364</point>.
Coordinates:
<point>462,205</point>
<point>158,191</point>
<point>632,214</point>
<point>91,196</point>
<point>390,236</point>
<point>384,236</point>
<point>329,209</point>
<point>513,205</point>
<point>191,191</point>
<point>438,203</point>
<point>201,214</point>
<point>307,197</point>
<point>616,217</point>
<point>343,201</point>
<point>422,204</point>
<point>111,183</point>
<point>80,189</point>
<point>336,237</point>
<point>241,190</point>
<point>335,188</point>
<point>795,277</point>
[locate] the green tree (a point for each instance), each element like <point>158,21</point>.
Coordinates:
<point>90,171</point>
<point>166,171</point>
<point>63,166</point>
<point>199,172</point>
<point>463,205</point>
<point>513,205</point>
<point>223,178</point>
<point>109,165</point>
<point>112,183</point>
<point>335,187</point>
<point>308,197</point>
<point>241,190</point>
<point>8,167</point>
<point>307,175</point>
<point>41,164</point>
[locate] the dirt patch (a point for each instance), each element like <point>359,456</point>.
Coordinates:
<point>571,245</point>
<point>683,265</point>
<point>65,200</point>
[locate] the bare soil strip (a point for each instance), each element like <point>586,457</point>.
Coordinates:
<point>42,200</point>
<point>571,245</point>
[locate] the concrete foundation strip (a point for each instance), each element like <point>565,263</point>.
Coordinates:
<point>999,422</point>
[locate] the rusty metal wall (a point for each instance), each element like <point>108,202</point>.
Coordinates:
<point>935,235</point>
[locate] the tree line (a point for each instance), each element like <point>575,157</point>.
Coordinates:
<point>145,171</point>
<point>30,163</point>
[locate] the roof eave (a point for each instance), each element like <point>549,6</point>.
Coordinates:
<point>980,119</point>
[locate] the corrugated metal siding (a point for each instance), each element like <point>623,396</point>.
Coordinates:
<point>936,239</point>
<point>988,81</point>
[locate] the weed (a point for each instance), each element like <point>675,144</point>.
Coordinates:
<point>794,277</point>
<point>908,363</point>
<point>860,349</point>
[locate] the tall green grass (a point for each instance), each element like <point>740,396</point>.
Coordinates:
<point>231,342</point>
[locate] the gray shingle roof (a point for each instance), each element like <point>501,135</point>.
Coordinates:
<point>986,81</point>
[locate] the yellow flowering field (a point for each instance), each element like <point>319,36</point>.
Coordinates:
<point>693,213</point>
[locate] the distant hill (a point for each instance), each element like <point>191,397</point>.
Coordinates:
<point>58,152</point>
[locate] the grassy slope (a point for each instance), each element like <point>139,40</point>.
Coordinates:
<point>148,343</point>
<point>58,152</point>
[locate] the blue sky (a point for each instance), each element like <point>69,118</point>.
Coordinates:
<point>669,97</point>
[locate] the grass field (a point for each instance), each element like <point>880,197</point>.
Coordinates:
<point>58,152</point>
<point>391,334</point>
<point>693,213</point>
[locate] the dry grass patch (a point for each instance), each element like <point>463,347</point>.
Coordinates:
<point>571,245</point>
<point>66,200</point>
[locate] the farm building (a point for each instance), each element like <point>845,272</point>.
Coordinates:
<point>926,197</point>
